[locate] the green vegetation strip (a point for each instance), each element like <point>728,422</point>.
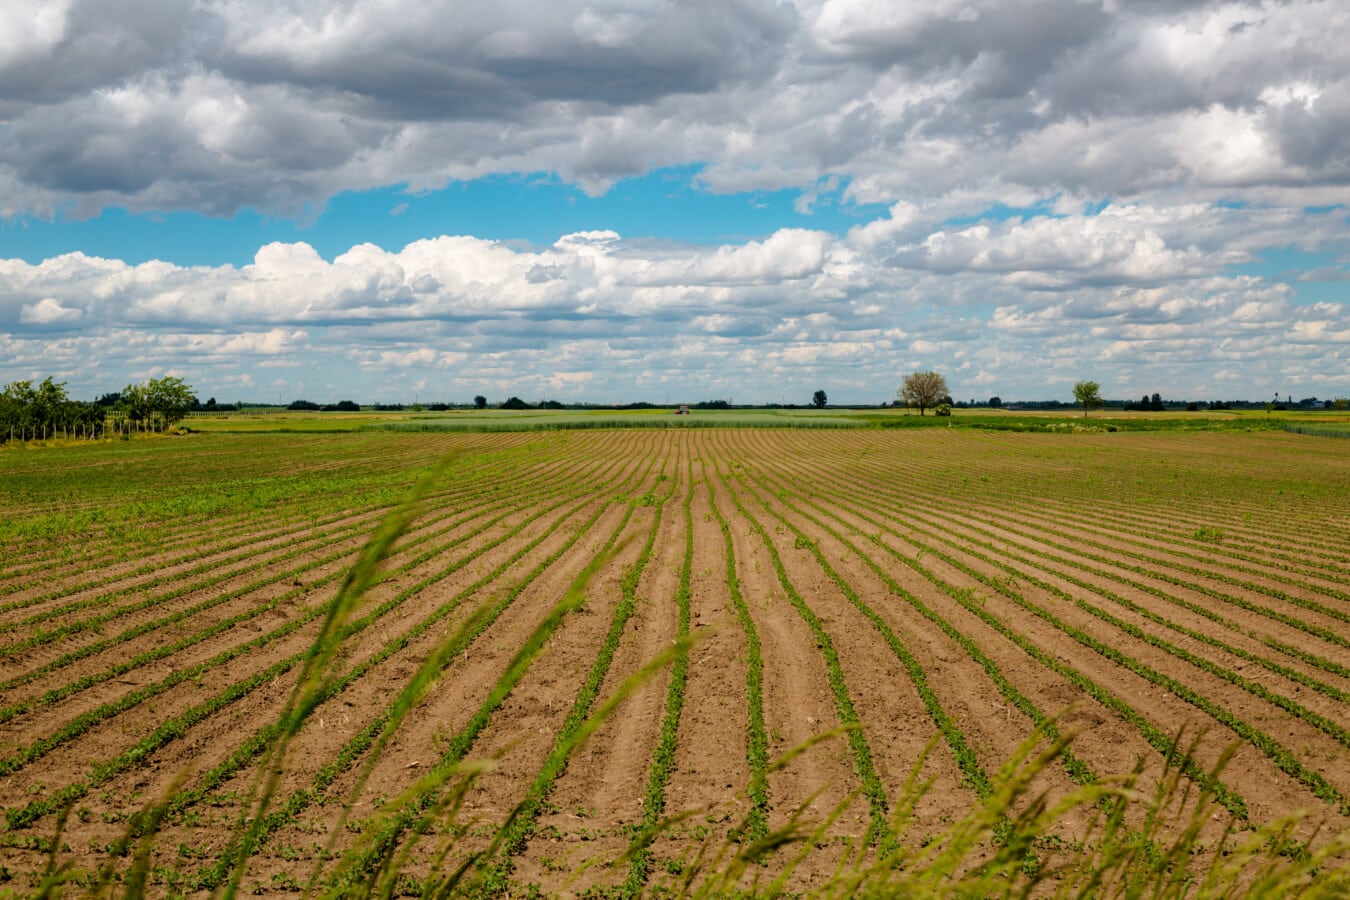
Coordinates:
<point>514,836</point>
<point>663,759</point>
<point>756,826</point>
<point>1076,768</point>
<point>1283,759</point>
<point>872,787</point>
<point>1157,738</point>
<point>1001,553</point>
<point>175,727</point>
<point>383,834</point>
<point>365,739</point>
<point>167,650</point>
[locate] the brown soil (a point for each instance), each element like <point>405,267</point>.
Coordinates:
<point>909,503</point>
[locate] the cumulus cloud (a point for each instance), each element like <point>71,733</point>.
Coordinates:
<point>617,320</point>
<point>154,104</point>
<point>1069,184</point>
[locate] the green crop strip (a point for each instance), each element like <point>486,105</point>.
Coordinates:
<point>1003,553</point>
<point>1160,740</point>
<point>174,728</point>
<point>872,787</point>
<point>182,588</point>
<point>1076,768</point>
<point>756,824</point>
<point>362,742</point>
<point>1176,541</point>
<point>1283,759</point>
<point>1266,612</point>
<point>514,836</point>
<point>663,759</point>
<point>70,688</point>
<point>384,834</point>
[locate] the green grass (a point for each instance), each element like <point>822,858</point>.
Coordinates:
<point>1064,421</point>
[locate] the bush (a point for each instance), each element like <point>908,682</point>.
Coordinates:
<point>943,409</point>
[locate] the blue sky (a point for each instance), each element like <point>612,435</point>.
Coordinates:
<point>629,199</point>
<point>537,208</point>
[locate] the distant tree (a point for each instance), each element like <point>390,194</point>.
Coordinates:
<point>1087,393</point>
<point>996,402</point>
<point>818,400</point>
<point>1340,403</point>
<point>303,405</point>
<point>516,403</point>
<point>1156,404</point>
<point>480,402</point>
<point>923,389</point>
<point>347,406</point>
<point>169,399</point>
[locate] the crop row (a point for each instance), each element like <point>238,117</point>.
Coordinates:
<point>233,692</point>
<point>962,544</point>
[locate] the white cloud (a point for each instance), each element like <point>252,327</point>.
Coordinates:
<point>48,311</point>
<point>612,319</point>
<point>1154,145</point>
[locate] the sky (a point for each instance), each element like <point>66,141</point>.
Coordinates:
<point>676,200</point>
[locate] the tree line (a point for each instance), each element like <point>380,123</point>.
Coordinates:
<point>44,410</point>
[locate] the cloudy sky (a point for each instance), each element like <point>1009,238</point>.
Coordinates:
<point>676,199</point>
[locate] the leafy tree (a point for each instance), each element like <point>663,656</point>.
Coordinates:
<point>996,402</point>
<point>158,403</point>
<point>1155,403</point>
<point>818,400</point>
<point>1087,393</point>
<point>923,389</point>
<point>480,402</point>
<point>516,403</point>
<point>170,398</point>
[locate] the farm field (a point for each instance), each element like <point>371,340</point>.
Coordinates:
<point>936,594</point>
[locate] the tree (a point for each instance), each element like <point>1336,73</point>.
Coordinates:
<point>818,400</point>
<point>996,402</point>
<point>159,403</point>
<point>923,389</point>
<point>170,397</point>
<point>1087,393</point>
<point>480,402</point>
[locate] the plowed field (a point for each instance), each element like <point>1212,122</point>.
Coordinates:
<point>931,595</point>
